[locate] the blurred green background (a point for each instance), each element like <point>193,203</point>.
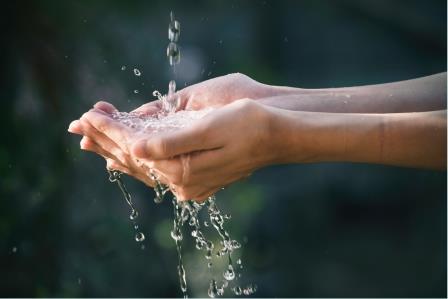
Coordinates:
<point>322,230</point>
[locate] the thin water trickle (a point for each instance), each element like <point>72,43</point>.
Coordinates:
<point>185,213</point>
<point>115,177</point>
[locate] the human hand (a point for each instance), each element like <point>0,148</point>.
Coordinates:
<point>226,145</point>
<point>218,92</point>
<point>211,93</point>
<point>114,150</point>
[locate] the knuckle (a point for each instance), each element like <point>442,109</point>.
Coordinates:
<point>158,146</point>
<point>244,103</point>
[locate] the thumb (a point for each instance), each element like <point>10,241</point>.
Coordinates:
<point>167,145</point>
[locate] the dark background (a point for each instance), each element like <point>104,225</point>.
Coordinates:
<point>322,230</point>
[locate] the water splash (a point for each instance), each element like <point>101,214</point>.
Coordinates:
<point>115,177</point>
<point>184,212</point>
<point>188,213</point>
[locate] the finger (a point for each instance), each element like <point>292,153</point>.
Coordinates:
<point>170,144</point>
<point>88,144</point>
<point>111,128</point>
<point>194,168</point>
<point>106,107</point>
<point>150,108</point>
<point>160,177</point>
<point>197,193</point>
<point>103,141</point>
<point>184,97</point>
<point>114,165</point>
<point>202,197</point>
<point>171,169</point>
<point>75,127</point>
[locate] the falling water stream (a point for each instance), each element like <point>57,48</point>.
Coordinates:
<point>185,212</point>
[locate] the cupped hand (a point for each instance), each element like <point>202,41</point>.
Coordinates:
<point>211,93</point>
<point>226,145</point>
<point>216,92</point>
<point>110,139</point>
<point>221,91</point>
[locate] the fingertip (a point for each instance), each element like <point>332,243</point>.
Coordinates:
<point>139,149</point>
<point>105,106</point>
<point>84,143</point>
<point>75,127</point>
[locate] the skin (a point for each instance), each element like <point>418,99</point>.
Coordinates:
<point>402,124</point>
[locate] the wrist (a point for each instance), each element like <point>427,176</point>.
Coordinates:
<point>266,91</point>
<point>291,137</point>
<point>309,137</point>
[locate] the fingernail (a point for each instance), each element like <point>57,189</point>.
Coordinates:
<point>71,126</point>
<point>74,127</point>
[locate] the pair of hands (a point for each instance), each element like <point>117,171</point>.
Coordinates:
<point>226,145</point>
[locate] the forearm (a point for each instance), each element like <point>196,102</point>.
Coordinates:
<point>401,139</point>
<point>417,95</point>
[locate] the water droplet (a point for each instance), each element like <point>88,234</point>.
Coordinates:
<point>14,249</point>
<point>229,274</point>
<point>173,53</point>
<point>176,235</point>
<point>123,67</point>
<point>134,215</point>
<point>237,290</point>
<point>206,223</point>
<point>209,265</point>
<point>136,91</point>
<point>213,290</point>
<point>139,237</point>
<point>174,31</point>
<point>208,255</point>
<point>238,261</point>
<point>250,289</point>
<point>137,72</point>
<point>227,216</point>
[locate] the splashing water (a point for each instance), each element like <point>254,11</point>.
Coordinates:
<point>185,213</point>
<point>115,177</point>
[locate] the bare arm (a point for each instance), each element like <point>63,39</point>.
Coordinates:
<point>402,139</point>
<point>416,95</point>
